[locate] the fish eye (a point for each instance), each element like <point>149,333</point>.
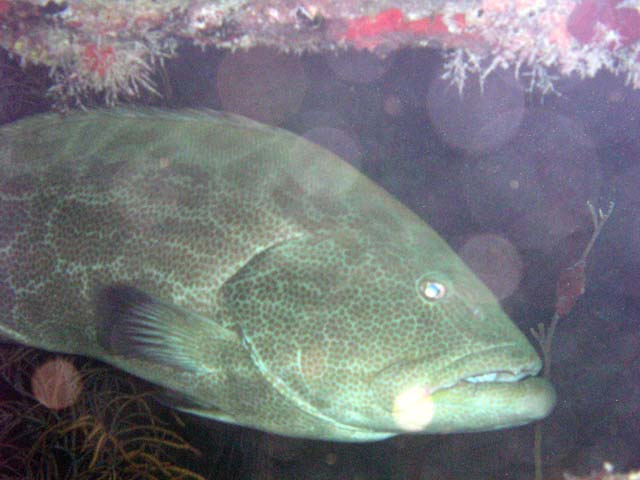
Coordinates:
<point>432,290</point>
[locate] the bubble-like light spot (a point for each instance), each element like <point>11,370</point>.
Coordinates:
<point>563,163</point>
<point>56,384</point>
<point>413,409</point>
<point>535,187</point>
<point>338,141</point>
<point>500,187</point>
<point>357,67</point>
<point>315,172</point>
<point>261,84</point>
<point>331,458</point>
<point>282,449</point>
<point>612,450</point>
<point>310,119</point>
<point>616,95</point>
<point>392,105</point>
<point>546,224</point>
<point>496,261</point>
<point>567,166</point>
<point>480,120</point>
<point>625,235</point>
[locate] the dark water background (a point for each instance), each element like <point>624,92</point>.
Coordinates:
<point>504,176</point>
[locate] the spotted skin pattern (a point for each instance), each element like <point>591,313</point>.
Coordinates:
<point>295,280</point>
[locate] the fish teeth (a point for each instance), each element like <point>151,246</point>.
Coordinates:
<point>486,377</point>
<point>496,377</point>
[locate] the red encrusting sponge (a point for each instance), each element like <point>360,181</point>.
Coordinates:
<point>393,20</point>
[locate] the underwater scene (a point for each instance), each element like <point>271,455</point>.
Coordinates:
<point>354,240</point>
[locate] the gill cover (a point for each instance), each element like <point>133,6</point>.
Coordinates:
<point>298,306</point>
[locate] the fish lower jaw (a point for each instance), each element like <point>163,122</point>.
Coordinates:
<point>472,406</point>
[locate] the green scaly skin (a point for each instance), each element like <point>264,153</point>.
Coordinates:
<point>296,279</point>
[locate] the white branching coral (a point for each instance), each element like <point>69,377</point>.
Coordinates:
<point>459,64</point>
<point>114,70</point>
<point>533,38</point>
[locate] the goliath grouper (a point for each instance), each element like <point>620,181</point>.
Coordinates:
<point>254,276</point>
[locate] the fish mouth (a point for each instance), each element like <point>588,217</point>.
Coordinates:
<point>486,405</point>
<point>485,390</point>
<point>506,363</point>
<point>499,376</point>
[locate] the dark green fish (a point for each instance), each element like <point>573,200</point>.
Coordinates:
<point>254,275</point>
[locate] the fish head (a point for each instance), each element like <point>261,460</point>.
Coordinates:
<point>380,328</point>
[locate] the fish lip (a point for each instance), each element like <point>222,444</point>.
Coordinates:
<point>470,373</point>
<point>489,377</point>
<point>509,362</point>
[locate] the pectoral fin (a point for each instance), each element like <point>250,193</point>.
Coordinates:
<point>135,324</point>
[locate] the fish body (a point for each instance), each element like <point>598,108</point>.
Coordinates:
<point>254,275</point>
